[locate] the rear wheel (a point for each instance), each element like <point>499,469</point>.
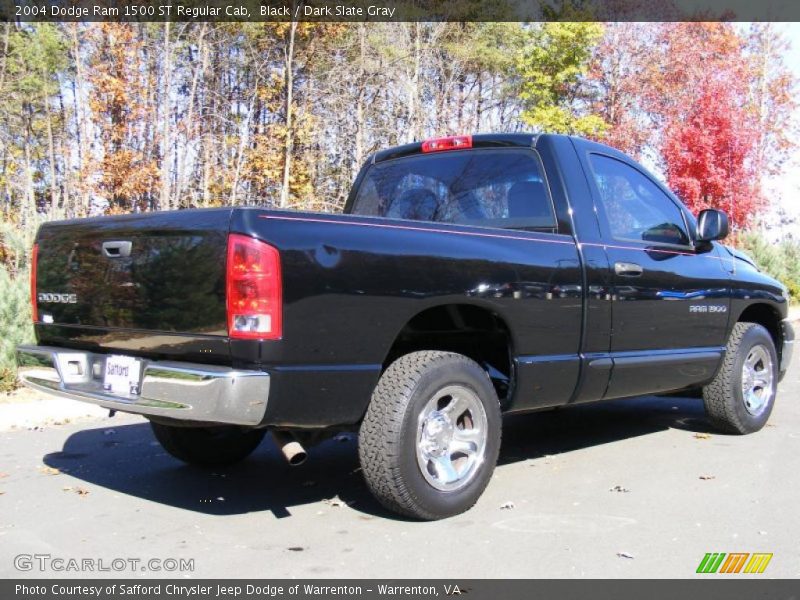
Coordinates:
<point>741,396</point>
<point>208,446</point>
<point>429,442</point>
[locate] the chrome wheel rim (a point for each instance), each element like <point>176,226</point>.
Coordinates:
<point>757,380</point>
<point>451,438</point>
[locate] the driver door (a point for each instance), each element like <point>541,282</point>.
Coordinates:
<point>669,301</point>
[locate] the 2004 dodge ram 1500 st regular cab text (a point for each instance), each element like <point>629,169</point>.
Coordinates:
<point>470,276</point>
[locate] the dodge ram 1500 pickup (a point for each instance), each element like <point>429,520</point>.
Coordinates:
<point>468,277</point>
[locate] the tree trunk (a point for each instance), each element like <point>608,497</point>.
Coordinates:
<point>166,141</point>
<point>29,193</point>
<point>289,85</point>
<point>51,159</point>
<point>4,67</point>
<point>82,129</point>
<point>358,156</point>
<point>240,152</point>
<point>413,88</point>
<point>190,127</point>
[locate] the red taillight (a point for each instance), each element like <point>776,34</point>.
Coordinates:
<point>253,289</point>
<point>456,142</point>
<point>34,263</point>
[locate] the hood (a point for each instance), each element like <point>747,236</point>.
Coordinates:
<point>743,256</point>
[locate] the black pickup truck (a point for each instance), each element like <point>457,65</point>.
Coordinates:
<point>468,277</point>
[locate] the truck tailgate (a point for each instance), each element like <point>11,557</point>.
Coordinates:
<point>145,283</point>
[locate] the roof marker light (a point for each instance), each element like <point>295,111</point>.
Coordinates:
<point>455,142</point>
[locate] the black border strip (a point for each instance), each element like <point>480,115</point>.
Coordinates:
<point>396,10</point>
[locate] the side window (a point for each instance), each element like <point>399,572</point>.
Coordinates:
<point>635,208</point>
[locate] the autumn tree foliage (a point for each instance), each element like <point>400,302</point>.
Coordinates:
<point>706,103</point>
<point>623,77</point>
<point>709,140</point>
<point>116,117</point>
<point>126,170</point>
<point>773,97</point>
<point>552,67</point>
<point>709,155</point>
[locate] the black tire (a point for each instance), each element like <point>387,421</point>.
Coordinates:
<point>208,446</point>
<point>387,443</point>
<point>723,397</point>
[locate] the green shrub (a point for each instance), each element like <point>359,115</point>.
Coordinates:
<point>15,322</point>
<point>780,260</point>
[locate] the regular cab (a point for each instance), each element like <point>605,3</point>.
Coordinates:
<point>468,277</point>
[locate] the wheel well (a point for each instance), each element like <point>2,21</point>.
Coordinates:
<point>473,331</point>
<point>767,317</point>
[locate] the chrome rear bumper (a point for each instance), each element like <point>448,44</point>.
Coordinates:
<point>182,391</point>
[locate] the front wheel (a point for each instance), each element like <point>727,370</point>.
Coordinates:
<point>741,396</point>
<point>429,442</point>
<point>208,446</point>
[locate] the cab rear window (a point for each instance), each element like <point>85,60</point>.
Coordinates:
<point>494,188</point>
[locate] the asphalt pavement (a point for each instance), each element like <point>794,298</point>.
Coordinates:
<point>635,488</point>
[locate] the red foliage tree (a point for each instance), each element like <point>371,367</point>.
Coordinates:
<point>708,138</point>
<point>708,155</point>
<point>709,103</point>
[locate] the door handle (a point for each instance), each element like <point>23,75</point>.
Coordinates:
<point>625,269</point>
<point>117,249</point>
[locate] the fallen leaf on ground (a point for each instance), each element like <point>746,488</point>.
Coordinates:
<point>702,436</point>
<point>624,555</point>
<point>707,477</point>
<point>619,488</point>
<point>49,471</point>
<point>507,505</point>
<point>336,502</point>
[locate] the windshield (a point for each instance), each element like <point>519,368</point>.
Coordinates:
<point>497,188</point>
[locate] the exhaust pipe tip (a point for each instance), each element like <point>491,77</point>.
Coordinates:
<point>292,450</point>
<point>294,453</point>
